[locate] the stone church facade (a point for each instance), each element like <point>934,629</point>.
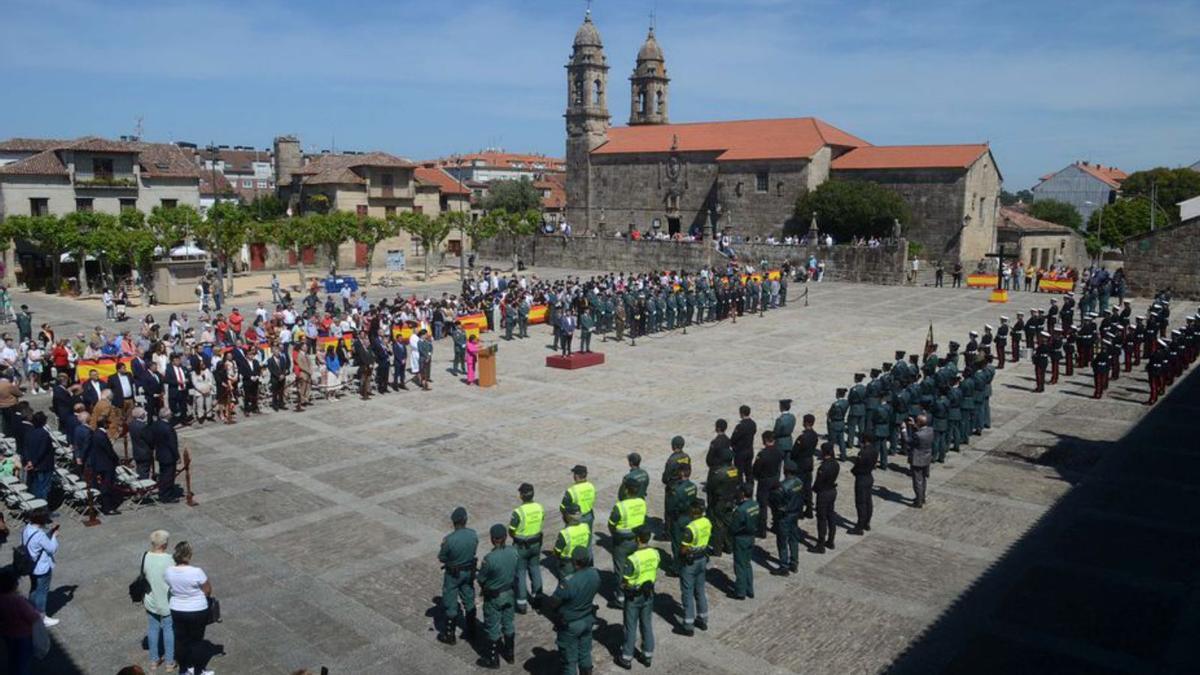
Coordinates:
<point>746,175</point>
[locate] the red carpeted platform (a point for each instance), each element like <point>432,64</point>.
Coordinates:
<point>575,361</point>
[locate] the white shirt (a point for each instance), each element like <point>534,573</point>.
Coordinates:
<point>184,583</point>
<point>126,389</point>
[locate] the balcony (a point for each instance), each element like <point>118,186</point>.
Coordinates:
<point>106,182</point>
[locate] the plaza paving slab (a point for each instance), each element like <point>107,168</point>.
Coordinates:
<point>320,530</point>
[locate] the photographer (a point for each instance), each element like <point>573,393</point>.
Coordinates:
<point>919,437</point>
<point>40,538</point>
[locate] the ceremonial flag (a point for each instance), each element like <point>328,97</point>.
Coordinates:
<point>103,367</point>
<point>537,314</point>
<point>929,341</point>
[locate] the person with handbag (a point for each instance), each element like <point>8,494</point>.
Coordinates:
<point>152,585</point>
<point>40,540</point>
<point>190,600</point>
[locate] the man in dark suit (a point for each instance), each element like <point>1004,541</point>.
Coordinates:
<point>365,360</point>
<point>81,434</point>
<point>152,389</point>
<point>278,367</point>
<point>766,473</point>
<point>139,440</point>
<point>249,379</point>
<point>381,354</point>
<point>123,389</point>
<point>138,367</point>
<point>166,452</point>
<point>920,456</point>
<point>62,403</point>
<point>102,460</point>
<point>804,452</point>
<point>178,390</point>
<point>38,454</point>
<point>399,359</point>
<point>92,389</point>
<point>742,441</point>
<point>719,449</point>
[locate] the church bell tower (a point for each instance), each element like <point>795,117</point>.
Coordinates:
<point>587,118</point>
<point>648,85</point>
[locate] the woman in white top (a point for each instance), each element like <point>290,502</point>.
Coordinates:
<point>34,363</point>
<point>203,392</point>
<point>158,611</point>
<point>190,590</point>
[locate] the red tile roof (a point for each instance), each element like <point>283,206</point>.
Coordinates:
<point>165,159</point>
<point>338,169</point>
<point>155,159</point>
<point>46,163</point>
<point>29,144</point>
<point>445,183</point>
<point>97,144</point>
<point>223,185</point>
<point>792,138</point>
<point>236,161</point>
<point>506,160</point>
<point>556,200</point>
<point>1109,175</point>
<point>1016,219</point>
<point>911,157</point>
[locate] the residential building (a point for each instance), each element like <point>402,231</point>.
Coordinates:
<point>250,172</point>
<point>1038,242</point>
<point>213,192</point>
<point>1085,185</point>
<point>489,165</point>
<point>553,190</point>
<point>1189,209</point>
<point>746,175</point>
<point>44,176</point>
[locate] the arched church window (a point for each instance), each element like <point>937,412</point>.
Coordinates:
<point>578,98</point>
<point>642,101</point>
<point>596,92</point>
<point>658,104</point>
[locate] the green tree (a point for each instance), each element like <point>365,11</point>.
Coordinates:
<point>848,209</point>
<point>514,196</point>
<point>1054,211</point>
<point>1008,198</point>
<point>430,232</point>
<point>265,208</point>
<point>293,235</point>
<point>88,235</point>
<point>50,235</point>
<point>1116,222</point>
<point>1168,186</point>
<point>173,225</point>
<point>223,233</point>
<point>318,203</point>
<point>332,229</point>
<point>370,231</point>
<point>510,225</point>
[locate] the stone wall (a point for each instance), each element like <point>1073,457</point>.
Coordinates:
<point>884,265</point>
<point>1166,258</point>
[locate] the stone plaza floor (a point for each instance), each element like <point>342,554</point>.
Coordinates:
<point>319,530</point>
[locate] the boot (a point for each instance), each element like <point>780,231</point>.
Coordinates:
<point>470,626</point>
<point>509,647</point>
<point>447,634</point>
<point>489,659</point>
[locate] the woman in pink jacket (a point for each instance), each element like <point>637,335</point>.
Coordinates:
<point>472,358</point>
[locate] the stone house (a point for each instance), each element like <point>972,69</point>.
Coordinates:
<point>745,176</point>
<point>1040,243</point>
<point>1085,185</point>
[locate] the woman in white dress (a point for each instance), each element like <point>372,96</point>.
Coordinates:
<point>414,354</point>
<point>203,392</point>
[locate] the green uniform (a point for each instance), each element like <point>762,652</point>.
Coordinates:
<point>785,424</point>
<point>457,555</point>
<point>882,423</point>
<point>460,350</point>
<point>670,477</point>
<point>570,538</point>
<point>678,513</point>
<point>583,495</point>
<point>744,528</point>
<point>835,423</point>
<point>575,617</point>
<point>640,478</point>
<point>692,582</point>
<point>638,574</point>
<point>526,530</point>
<point>523,319</point>
<point>496,575</point>
<point>954,419</point>
<point>510,320</point>
<point>787,503</point>
<point>941,425</point>
<point>586,325</point>
<point>967,386</point>
<point>723,484</point>
<point>626,517</point>
<point>856,416</point>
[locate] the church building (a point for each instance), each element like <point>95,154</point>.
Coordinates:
<point>746,175</point>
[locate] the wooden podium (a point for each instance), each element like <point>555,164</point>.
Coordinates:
<point>487,367</point>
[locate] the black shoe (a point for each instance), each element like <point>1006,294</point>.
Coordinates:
<point>702,624</point>
<point>780,571</point>
<point>750,595</point>
<point>490,662</point>
<point>867,527</point>
<point>820,550</point>
<point>685,631</point>
<point>446,637</point>
<point>856,531</point>
<point>643,659</point>
<point>793,568</point>
<point>521,609</point>
<point>739,597</point>
<point>829,544</point>
<point>621,661</point>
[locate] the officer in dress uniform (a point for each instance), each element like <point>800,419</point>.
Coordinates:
<point>1056,355</point>
<point>1018,331</point>
<point>1002,334</point>
<point>745,529</point>
<point>574,613</point>
<point>1041,360</point>
<point>628,515</point>
<point>457,555</point>
<point>856,416</point>
<point>787,503</point>
<point>1100,371</point>
<point>941,424</point>
<point>825,485</point>
<point>692,582</point>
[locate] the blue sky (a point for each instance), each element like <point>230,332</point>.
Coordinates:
<point>1047,82</point>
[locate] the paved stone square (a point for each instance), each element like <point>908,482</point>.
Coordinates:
<point>319,530</point>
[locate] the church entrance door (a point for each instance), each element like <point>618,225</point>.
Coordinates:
<point>672,226</point>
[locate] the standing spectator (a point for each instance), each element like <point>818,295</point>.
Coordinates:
<point>110,311</point>
<point>39,457</point>
<point>42,544</point>
<point>276,296</point>
<point>915,267</point>
<point>425,351</point>
<point>17,619</point>
<point>158,611</point>
<point>1029,272</point>
<point>190,591</point>
<point>956,277</point>
<point>920,456</point>
<point>939,274</point>
<point>24,324</point>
